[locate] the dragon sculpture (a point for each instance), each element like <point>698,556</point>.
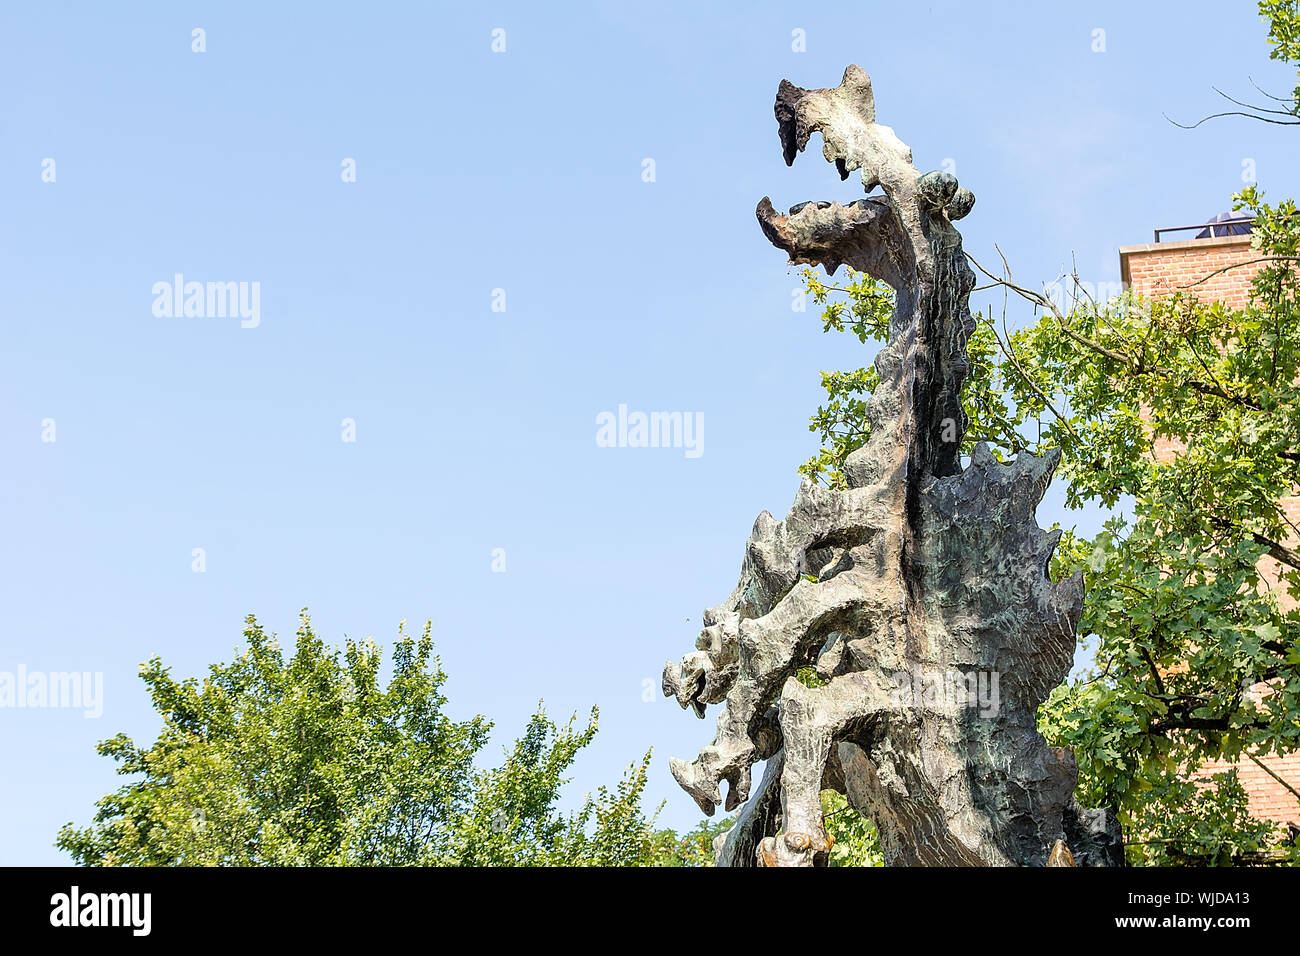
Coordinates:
<point>919,572</point>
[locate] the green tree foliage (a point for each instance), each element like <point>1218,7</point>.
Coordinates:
<point>694,848</point>
<point>1283,18</point>
<point>856,841</point>
<point>309,761</point>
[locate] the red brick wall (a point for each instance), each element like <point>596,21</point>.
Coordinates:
<point>1160,269</point>
<point>1164,267</point>
<point>1268,799</point>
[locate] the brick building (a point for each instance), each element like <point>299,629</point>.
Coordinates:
<point>1204,266</point>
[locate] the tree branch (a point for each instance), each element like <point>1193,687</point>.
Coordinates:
<point>1206,119</point>
<point>1268,770</point>
<point>1236,265</point>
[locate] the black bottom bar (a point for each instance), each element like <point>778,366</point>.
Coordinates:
<point>615,906</point>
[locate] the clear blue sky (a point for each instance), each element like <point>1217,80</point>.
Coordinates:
<point>476,429</point>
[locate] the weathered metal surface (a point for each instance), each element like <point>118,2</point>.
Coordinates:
<point>919,594</point>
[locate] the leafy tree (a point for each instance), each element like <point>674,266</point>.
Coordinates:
<point>693,848</point>
<point>856,841</point>
<point>511,819</point>
<point>1283,18</point>
<point>308,760</point>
